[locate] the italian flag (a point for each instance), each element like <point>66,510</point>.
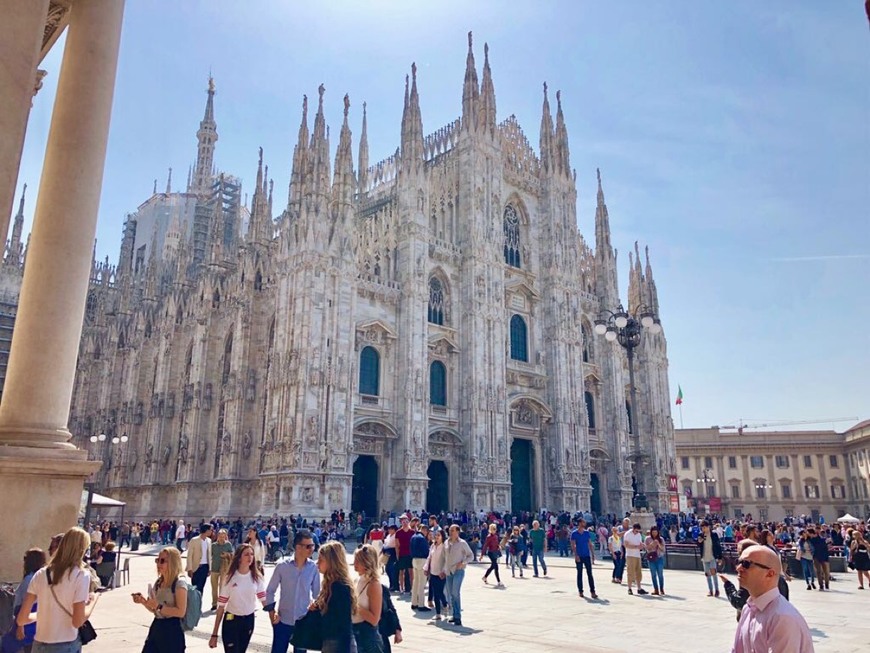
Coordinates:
<point>679,396</point>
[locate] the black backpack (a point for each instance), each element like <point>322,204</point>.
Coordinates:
<point>389,623</point>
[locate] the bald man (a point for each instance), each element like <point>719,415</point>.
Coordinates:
<point>768,623</point>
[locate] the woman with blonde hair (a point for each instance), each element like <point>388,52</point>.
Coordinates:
<point>370,596</point>
<point>337,600</point>
<point>237,602</point>
<point>63,591</point>
<point>492,549</point>
<point>167,600</point>
<point>221,556</point>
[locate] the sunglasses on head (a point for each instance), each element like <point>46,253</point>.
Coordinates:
<point>746,564</point>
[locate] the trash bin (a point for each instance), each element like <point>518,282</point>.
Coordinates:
<point>134,544</point>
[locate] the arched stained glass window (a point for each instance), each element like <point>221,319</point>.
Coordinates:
<point>512,237</point>
<point>436,301</point>
<point>519,339</point>
<point>369,371</point>
<point>590,409</point>
<point>437,384</point>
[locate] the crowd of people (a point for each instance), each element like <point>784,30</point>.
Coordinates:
<point>424,558</point>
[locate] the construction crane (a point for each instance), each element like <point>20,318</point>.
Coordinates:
<point>741,425</point>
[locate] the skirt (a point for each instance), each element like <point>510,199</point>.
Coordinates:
<point>165,636</point>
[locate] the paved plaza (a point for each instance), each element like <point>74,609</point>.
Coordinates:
<point>542,614</point>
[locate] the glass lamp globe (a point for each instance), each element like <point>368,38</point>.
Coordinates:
<point>600,327</point>
<point>610,336</point>
<point>116,440</point>
<point>621,320</point>
<point>124,438</point>
<point>101,437</point>
<point>93,438</point>
<point>656,327</point>
<point>647,320</point>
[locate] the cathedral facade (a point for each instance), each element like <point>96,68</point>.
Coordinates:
<point>416,333</point>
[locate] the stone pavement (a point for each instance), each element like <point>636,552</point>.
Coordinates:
<point>541,614</point>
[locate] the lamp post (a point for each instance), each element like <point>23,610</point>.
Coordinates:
<point>102,437</point>
<point>707,480</point>
<point>626,329</point>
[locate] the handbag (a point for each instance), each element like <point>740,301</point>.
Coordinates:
<point>87,634</point>
<point>308,631</point>
<point>389,623</point>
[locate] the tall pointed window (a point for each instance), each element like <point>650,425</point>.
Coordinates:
<point>630,413</point>
<point>519,339</point>
<point>437,384</point>
<point>436,301</point>
<point>228,359</point>
<point>587,343</point>
<point>590,409</point>
<point>512,237</point>
<point>369,371</point>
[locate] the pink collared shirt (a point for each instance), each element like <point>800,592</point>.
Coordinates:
<point>770,624</point>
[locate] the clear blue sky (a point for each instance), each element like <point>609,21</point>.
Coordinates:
<point>733,138</point>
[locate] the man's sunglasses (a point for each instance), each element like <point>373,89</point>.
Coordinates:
<point>746,564</point>
<point>307,546</point>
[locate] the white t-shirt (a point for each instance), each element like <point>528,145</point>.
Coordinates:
<point>53,625</point>
<point>203,541</point>
<point>632,538</point>
<point>241,592</point>
<point>180,532</point>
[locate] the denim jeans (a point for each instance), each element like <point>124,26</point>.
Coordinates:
<point>454,585</point>
<point>618,565</point>
<point>368,639</point>
<point>538,555</point>
<point>60,647</point>
<point>656,570</point>
<point>281,634</point>
<point>581,562</point>
<point>563,548</point>
<point>712,577</point>
<point>809,572</point>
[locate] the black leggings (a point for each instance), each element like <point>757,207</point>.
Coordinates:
<point>436,585</point>
<point>493,566</point>
<point>236,632</point>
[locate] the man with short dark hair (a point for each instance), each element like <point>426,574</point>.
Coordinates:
<point>403,544</point>
<point>821,559</point>
<point>768,621</point>
<point>299,584</point>
<point>199,557</point>
<point>711,553</point>
<point>419,553</point>
<point>584,554</point>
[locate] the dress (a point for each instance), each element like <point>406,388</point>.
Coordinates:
<point>861,557</point>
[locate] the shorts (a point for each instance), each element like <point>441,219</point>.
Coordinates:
<point>633,567</point>
<point>404,562</point>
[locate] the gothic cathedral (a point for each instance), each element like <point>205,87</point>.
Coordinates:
<point>411,334</point>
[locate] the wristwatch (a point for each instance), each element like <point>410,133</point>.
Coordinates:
<point>159,609</point>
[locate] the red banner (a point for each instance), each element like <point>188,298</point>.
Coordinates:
<point>672,483</point>
<point>715,505</point>
<point>674,503</point>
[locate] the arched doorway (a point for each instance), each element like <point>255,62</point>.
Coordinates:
<point>595,500</point>
<point>438,492</point>
<point>364,493</point>
<point>522,471</point>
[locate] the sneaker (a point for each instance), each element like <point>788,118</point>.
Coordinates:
<point>827,586</point>
<point>642,591</point>
<point>457,622</point>
<point>809,588</point>
<point>813,584</point>
<point>630,592</point>
<point>414,607</point>
<point>485,580</point>
<point>709,593</point>
<point>655,592</point>
<point>423,608</point>
<point>716,593</point>
<point>437,617</point>
<point>536,575</point>
<point>499,584</point>
<point>594,595</point>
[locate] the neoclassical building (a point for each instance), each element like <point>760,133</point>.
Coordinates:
<point>415,333</point>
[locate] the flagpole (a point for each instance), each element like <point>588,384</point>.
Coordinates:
<point>681,415</point>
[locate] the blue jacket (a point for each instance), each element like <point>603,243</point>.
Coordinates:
<point>419,546</point>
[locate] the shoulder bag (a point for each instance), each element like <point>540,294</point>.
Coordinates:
<point>87,634</point>
<point>308,631</point>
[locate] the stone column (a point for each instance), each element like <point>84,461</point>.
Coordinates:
<point>41,474</point>
<point>20,43</point>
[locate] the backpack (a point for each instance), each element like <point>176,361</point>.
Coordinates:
<point>389,623</point>
<point>193,613</point>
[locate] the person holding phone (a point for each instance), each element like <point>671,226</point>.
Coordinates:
<point>167,600</point>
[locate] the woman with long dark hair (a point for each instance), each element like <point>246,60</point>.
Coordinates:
<point>34,560</point>
<point>259,548</point>
<point>167,600</point>
<point>244,586</point>
<point>491,549</point>
<point>337,600</point>
<point>655,557</point>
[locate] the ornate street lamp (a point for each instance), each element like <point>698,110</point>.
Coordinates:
<point>707,479</point>
<point>626,329</point>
